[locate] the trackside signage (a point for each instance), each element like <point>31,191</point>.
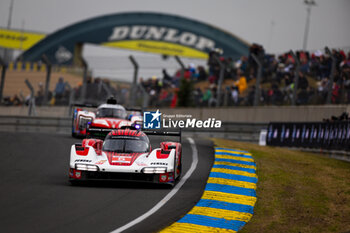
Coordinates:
<point>171,35</point>
<point>163,40</point>
<point>154,120</point>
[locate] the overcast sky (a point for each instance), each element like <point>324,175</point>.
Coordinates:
<point>276,24</point>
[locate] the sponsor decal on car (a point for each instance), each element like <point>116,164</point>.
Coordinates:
<point>171,177</point>
<point>159,163</point>
<point>71,173</point>
<point>78,174</point>
<point>163,178</point>
<point>100,162</point>
<point>121,159</point>
<point>83,160</point>
<point>142,164</point>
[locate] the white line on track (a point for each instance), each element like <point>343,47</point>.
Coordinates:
<point>169,195</point>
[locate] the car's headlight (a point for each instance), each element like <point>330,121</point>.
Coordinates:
<point>86,167</point>
<point>152,170</point>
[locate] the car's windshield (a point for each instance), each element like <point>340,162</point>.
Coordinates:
<point>121,145</point>
<point>111,112</point>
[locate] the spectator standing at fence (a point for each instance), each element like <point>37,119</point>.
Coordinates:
<point>213,98</point>
<point>59,89</point>
<point>206,96</point>
<point>234,94</point>
<point>167,79</point>
<point>174,99</point>
<point>39,98</point>
<point>198,95</point>
<point>303,93</point>
<point>241,83</point>
<point>202,74</point>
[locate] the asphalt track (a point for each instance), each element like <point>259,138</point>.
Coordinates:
<point>35,195</point>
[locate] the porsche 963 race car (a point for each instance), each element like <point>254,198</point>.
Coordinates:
<point>125,154</point>
<point>110,116</point>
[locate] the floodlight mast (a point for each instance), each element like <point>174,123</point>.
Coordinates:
<point>309,4</point>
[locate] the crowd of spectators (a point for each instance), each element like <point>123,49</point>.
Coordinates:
<point>97,91</point>
<point>277,80</point>
<point>238,88</point>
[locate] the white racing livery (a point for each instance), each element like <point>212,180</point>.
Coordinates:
<point>110,116</point>
<point>125,154</point>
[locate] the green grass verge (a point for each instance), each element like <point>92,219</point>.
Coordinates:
<point>297,191</point>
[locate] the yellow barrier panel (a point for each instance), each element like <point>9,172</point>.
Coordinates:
<point>15,39</point>
<point>35,67</point>
<point>27,66</point>
<point>11,66</point>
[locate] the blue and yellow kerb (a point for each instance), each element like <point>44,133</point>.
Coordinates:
<point>229,196</point>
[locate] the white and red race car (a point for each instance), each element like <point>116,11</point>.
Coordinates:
<point>126,154</point>
<point>109,116</point>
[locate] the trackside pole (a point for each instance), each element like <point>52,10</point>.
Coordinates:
<point>221,79</point>
<point>31,104</point>
<point>85,73</point>
<point>132,94</point>
<point>3,75</point>
<point>177,58</point>
<point>145,97</point>
<point>331,78</point>
<point>258,80</point>
<point>296,77</point>
<point>48,77</point>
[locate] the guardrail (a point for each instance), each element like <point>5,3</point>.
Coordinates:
<point>248,132</point>
<point>35,124</point>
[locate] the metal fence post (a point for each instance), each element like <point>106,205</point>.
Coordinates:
<point>258,80</point>
<point>3,75</point>
<point>331,80</point>
<point>48,77</point>
<point>85,73</point>
<point>71,96</point>
<point>221,79</point>
<point>296,77</point>
<point>132,94</point>
<point>31,104</point>
<point>177,58</point>
<point>145,97</point>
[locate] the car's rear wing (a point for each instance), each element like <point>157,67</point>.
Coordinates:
<point>85,105</point>
<point>98,133</point>
<point>164,133</point>
<point>133,109</point>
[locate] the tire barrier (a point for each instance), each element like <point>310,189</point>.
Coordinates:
<point>229,197</point>
<point>313,135</point>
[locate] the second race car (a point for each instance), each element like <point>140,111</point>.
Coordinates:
<point>109,116</point>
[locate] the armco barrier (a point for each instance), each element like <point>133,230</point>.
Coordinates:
<point>35,124</point>
<point>248,132</point>
<point>262,114</point>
